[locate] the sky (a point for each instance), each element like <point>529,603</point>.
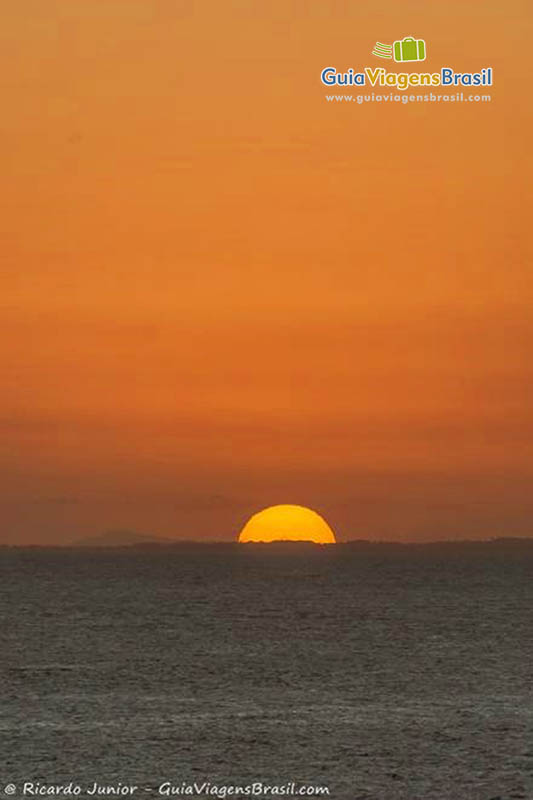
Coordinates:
<point>222,292</point>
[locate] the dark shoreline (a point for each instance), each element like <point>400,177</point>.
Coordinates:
<point>362,544</point>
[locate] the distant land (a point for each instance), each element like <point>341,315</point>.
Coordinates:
<point>128,539</point>
<point>121,538</point>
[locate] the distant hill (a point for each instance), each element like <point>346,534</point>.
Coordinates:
<point>121,538</point>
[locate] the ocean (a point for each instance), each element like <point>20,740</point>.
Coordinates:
<point>375,672</point>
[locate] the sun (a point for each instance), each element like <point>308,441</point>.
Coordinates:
<point>287,524</point>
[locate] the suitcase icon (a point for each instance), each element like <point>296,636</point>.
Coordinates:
<point>410,49</point>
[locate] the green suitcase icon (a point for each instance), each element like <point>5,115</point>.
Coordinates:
<point>410,49</point>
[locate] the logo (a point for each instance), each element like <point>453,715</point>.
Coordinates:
<point>407,49</point>
<point>404,50</point>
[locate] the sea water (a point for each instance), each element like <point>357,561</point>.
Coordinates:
<point>376,672</point>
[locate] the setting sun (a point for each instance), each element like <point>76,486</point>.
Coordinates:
<point>287,523</point>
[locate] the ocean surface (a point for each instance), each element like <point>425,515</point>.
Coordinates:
<point>378,672</point>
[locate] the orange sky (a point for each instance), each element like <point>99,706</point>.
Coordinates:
<point>221,292</point>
